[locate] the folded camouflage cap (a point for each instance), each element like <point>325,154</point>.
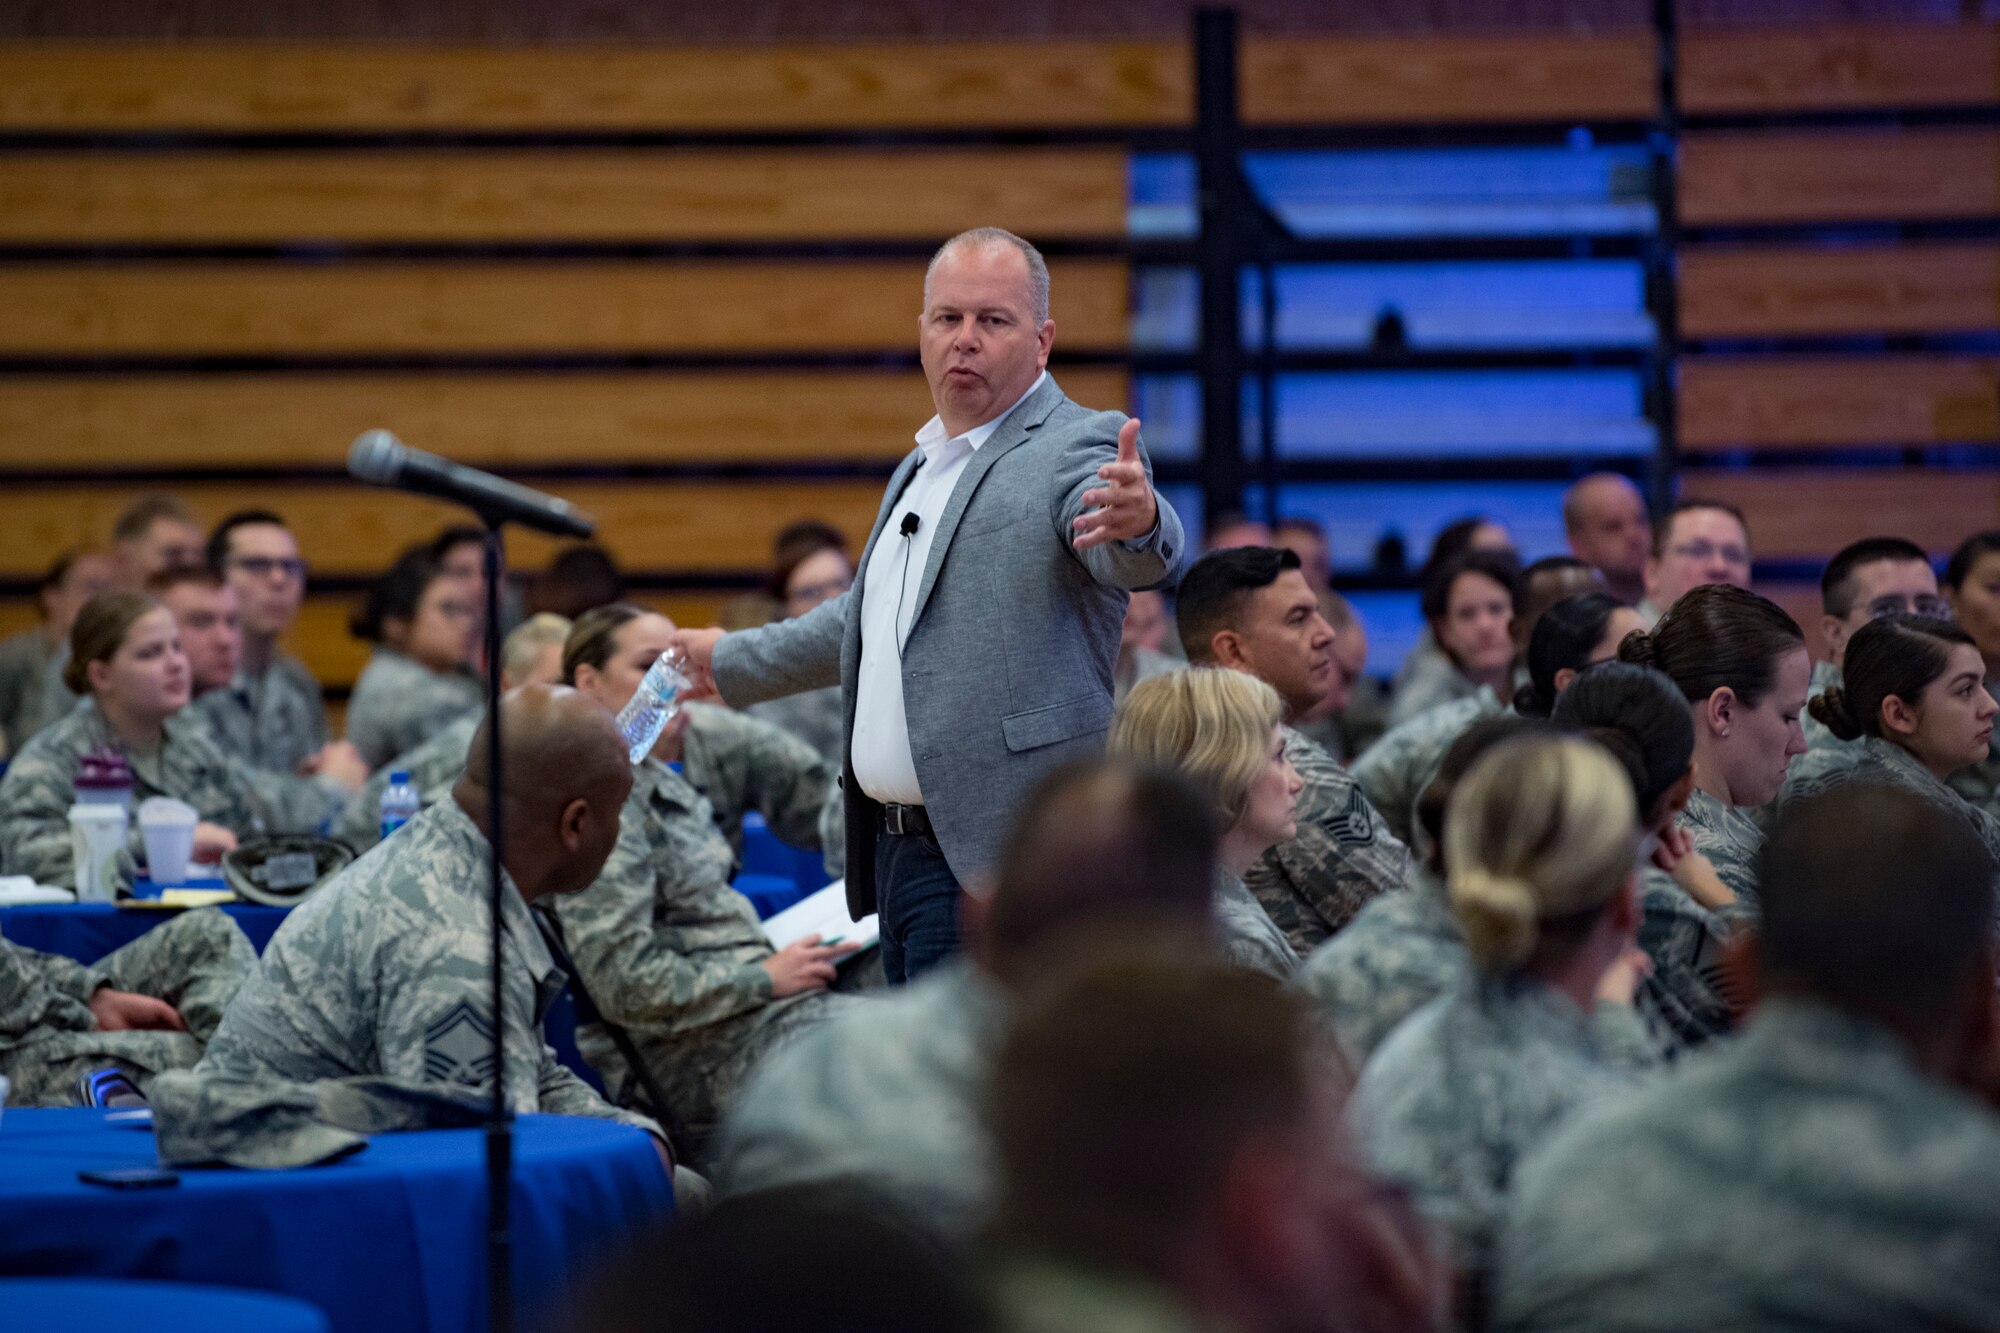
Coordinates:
<point>269,1124</point>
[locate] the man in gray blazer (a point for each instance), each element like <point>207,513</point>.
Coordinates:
<point>975,650</point>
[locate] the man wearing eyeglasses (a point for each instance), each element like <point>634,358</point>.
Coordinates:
<point>271,712</point>
<point>1866,580</point>
<point>1700,542</point>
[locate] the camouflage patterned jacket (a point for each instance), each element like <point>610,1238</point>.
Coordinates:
<point>1395,769</point>
<point>273,722</point>
<point>40,787</point>
<point>1730,838</point>
<point>1342,857</point>
<point>32,694</point>
<point>41,992</point>
<point>384,971</point>
<point>1401,952</point>
<point>433,767</point>
<point>1434,680</point>
<point>1804,1176</point>
<point>399,703</point>
<point>1685,942</point>
<point>672,954</point>
<point>813,716</point>
<point>886,1095</point>
<point>1249,937</point>
<point>1888,764</point>
<point>1456,1096</point>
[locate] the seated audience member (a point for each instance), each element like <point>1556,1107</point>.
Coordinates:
<point>1141,638</point>
<point>205,612</point>
<point>1576,632</point>
<point>425,624</point>
<point>1396,769</point>
<point>1866,580</point>
<point>1741,664</point>
<point>1221,731</point>
<point>1404,949</point>
<point>886,1096</point>
<point>811,568</point>
<point>1354,712</point>
<point>460,551</point>
<point>1639,715</point>
<point>1540,842</point>
<point>32,694</point>
<point>1475,533</point>
<point>153,533</point>
<point>1232,528</point>
<point>383,970</point>
<point>1250,609</point>
<point>1915,699</point>
<point>579,578</point>
<point>1170,1153</point>
<point>1306,539</point>
<point>142,1009</point>
<point>531,655</point>
<point>1468,608</point>
<point>1605,519</point>
<point>271,712</point>
<point>1835,1167</point>
<point>1972,586</point>
<point>665,947</point>
<point>125,655</point>
<point>1700,542</point>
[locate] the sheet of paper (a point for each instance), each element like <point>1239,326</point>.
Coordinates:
<point>823,914</point>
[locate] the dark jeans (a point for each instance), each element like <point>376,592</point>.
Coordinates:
<point>917,896</point>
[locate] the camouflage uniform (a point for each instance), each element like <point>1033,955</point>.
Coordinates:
<point>48,1036</point>
<point>813,716</point>
<point>1825,675</point>
<point>1049,1296</point>
<point>399,703</point>
<point>672,954</point>
<point>1249,937</point>
<point>1685,942</point>
<point>1141,664</point>
<point>1395,770</point>
<point>1804,1176</point>
<point>887,1094</point>
<point>1401,952</point>
<point>1434,680</point>
<point>743,763</point>
<point>40,787</point>
<point>32,694</point>
<point>273,722</point>
<point>1890,765</point>
<point>1457,1095</point>
<point>1731,839</point>
<point>384,971</point>
<point>1342,856</point>
<point>433,767</point>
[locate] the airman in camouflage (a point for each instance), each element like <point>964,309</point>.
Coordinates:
<point>1342,856</point>
<point>1887,764</point>
<point>1400,952</point>
<point>1249,937</point>
<point>672,954</point>
<point>32,694</point>
<point>50,1036</point>
<point>1434,681</point>
<point>1451,1102</point>
<point>40,787</point>
<point>887,1094</point>
<point>1395,770</point>
<point>274,722</point>
<point>433,767</point>
<point>399,703</point>
<point>1730,837</point>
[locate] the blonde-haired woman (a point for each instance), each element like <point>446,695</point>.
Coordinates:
<point>1220,730</point>
<point>1540,846</point>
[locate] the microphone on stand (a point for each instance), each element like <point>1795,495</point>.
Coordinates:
<point>381,459</point>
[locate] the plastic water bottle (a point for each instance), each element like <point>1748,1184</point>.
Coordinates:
<point>400,803</point>
<point>652,705</point>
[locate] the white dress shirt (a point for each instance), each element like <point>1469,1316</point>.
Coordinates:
<point>883,764</point>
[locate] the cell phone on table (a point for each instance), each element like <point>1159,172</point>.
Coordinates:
<point>132,1178</point>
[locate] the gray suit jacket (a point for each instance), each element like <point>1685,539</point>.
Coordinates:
<point>1007,667</point>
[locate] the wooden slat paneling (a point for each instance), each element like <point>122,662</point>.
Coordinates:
<point>1838,176</point>
<point>1829,402</point>
<point>529,420</point>
<point>379,309</point>
<point>1446,79</point>
<point>1808,514</point>
<point>1778,291</point>
<point>351,529</point>
<point>264,89</point>
<point>1848,67</point>
<point>1802,602</point>
<point>580,195</point>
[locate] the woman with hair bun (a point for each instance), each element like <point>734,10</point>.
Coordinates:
<point>1540,840</point>
<point>1914,695</point>
<point>1571,635</point>
<point>1741,664</point>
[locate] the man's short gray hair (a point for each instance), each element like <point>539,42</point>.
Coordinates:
<point>1038,269</point>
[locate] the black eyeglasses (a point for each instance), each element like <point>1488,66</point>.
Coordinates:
<point>264,566</point>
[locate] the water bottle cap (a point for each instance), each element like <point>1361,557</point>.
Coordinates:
<point>398,778</point>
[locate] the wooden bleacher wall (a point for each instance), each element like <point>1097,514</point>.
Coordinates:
<point>679,286</point>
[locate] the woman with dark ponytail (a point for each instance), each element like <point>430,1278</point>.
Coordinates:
<point>1914,695</point>
<point>1572,634</point>
<point>1741,664</point>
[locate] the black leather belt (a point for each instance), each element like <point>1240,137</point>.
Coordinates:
<point>906,821</point>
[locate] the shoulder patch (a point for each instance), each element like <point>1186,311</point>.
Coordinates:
<point>458,1048</point>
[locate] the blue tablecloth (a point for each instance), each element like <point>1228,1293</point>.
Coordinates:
<point>67,1305</point>
<point>387,1241</point>
<point>88,931</point>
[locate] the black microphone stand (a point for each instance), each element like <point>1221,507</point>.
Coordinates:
<point>499,1119</point>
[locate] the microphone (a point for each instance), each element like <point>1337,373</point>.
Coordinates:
<point>911,523</point>
<point>381,459</point>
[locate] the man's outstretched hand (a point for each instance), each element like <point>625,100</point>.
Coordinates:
<point>1123,508</point>
<point>698,660</point>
